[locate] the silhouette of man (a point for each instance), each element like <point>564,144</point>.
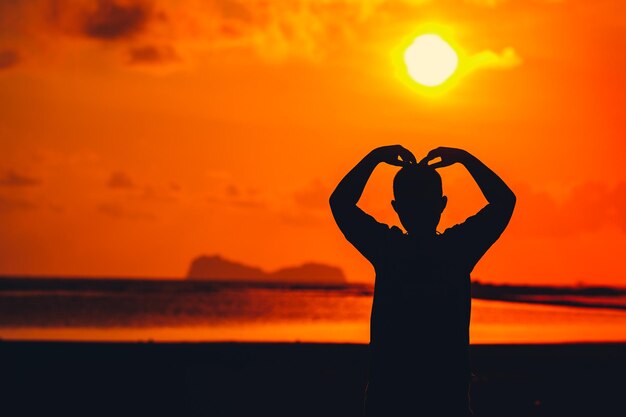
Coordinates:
<point>419,330</point>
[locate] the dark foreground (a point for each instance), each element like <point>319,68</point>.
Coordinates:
<point>94,379</point>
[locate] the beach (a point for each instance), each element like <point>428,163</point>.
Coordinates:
<point>290,379</point>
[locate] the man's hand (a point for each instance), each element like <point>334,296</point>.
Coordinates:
<point>393,155</point>
<point>448,157</point>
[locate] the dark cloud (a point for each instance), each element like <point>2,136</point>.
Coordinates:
<point>150,54</point>
<point>14,179</point>
<point>120,179</point>
<point>113,20</point>
<point>8,58</point>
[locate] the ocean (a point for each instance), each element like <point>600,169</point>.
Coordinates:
<point>178,311</point>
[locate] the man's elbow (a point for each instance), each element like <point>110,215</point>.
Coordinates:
<point>332,201</point>
<point>336,201</point>
<point>509,201</point>
<point>512,198</point>
<point>335,204</point>
<point>505,203</point>
<point>339,206</point>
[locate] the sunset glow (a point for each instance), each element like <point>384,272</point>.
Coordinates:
<point>137,135</point>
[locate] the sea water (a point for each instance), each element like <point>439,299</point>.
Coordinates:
<point>132,310</point>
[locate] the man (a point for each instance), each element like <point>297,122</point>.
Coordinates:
<point>419,330</point>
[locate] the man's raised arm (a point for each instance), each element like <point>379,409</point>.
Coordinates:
<point>349,191</point>
<point>493,188</point>
<point>355,224</point>
<point>483,229</point>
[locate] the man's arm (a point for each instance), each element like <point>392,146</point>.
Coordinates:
<point>357,226</point>
<point>487,225</point>
<point>493,188</point>
<point>350,188</point>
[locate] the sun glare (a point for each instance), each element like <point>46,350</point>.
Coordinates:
<point>430,60</point>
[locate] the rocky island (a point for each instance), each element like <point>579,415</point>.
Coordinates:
<point>217,268</point>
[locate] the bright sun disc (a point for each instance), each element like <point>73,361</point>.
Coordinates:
<point>430,60</point>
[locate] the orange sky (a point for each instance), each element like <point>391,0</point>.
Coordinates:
<point>136,135</point>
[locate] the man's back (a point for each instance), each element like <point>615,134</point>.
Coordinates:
<point>419,334</point>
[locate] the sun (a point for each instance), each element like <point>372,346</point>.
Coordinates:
<point>430,60</point>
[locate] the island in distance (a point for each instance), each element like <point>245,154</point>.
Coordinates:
<point>216,268</point>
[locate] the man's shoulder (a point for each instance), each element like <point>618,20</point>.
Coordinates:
<point>396,231</point>
<point>452,231</point>
<point>471,227</point>
<point>393,231</point>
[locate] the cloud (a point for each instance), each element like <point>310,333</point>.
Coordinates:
<point>158,32</point>
<point>120,179</point>
<point>506,59</point>
<point>245,202</point>
<point>272,30</point>
<point>112,20</point>
<point>14,179</point>
<point>8,58</point>
<point>307,206</point>
<point>151,55</point>
<point>228,194</point>
<point>144,193</point>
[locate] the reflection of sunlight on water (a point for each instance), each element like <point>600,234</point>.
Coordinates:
<point>316,332</point>
<point>271,315</point>
<point>502,322</point>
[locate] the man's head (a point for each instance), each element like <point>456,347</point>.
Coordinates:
<point>419,199</point>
